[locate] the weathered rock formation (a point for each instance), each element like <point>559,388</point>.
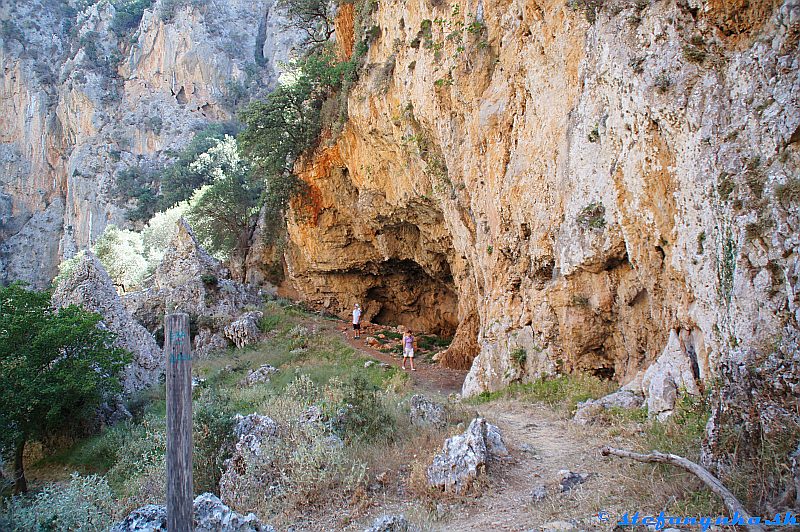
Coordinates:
<point>580,185</point>
<point>83,98</point>
<point>426,412</point>
<point>465,457</point>
<point>210,515</point>
<point>243,331</point>
<point>254,433</point>
<point>190,280</point>
<point>89,286</point>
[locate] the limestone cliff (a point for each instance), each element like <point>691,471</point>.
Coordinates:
<point>82,97</point>
<point>573,185</point>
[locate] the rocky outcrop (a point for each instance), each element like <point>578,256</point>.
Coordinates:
<point>89,286</point>
<point>569,183</point>
<point>426,412</point>
<point>260,375</point>
<point>254,433</point>
<point>190,280</point>
<point>84,98</point>
<point>465,457</point>
<point>244,331</point>
<point>210,515</point>
<point>589,411</point>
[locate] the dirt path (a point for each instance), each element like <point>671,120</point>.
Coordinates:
<point>429,377</point>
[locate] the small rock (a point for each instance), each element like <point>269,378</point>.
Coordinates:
<point>426,412</point>
<point>369,363</point>
<point>372,341</point>
<point>210,514</point>
<point>243,330</point>
<point>260,375</point>
<point>465,456</point>
<point>382,336</point>
<point>391,523</point>
<point>570,479</point>
<point>312,414</point>
<point>538,493</point>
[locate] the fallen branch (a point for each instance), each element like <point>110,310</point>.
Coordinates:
<point>731,502</point>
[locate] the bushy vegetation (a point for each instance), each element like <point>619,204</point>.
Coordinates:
<point>128,14</point>
<point>82,503</point>
<point>59,364</point>
<point>339,425</point>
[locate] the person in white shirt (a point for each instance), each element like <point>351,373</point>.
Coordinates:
<point>356,321</point>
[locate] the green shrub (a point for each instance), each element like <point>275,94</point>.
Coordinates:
<point>213,440</point>
<point>209,279</point>
<point>662,83</point>
<point>363,414</point>
<point>128,14</point>
<point>592,216</point>
<point>519,355</point>
<point>82,503</point>
<point>594,134</point>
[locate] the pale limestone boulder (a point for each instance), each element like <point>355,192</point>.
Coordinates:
<point>89,286</point>
<point>465,457</point>
<point>670,375</point>
<point>244,330</point>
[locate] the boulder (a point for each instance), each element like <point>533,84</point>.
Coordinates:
<point>569,479</point>
<point>588,411</point>
<point>392,523</point>
<point>244,330</point>
<point>210,515</point>
<point>89,286</point>
<point>207,341</point>
<point>190,280</point>
<point>672,372</point>
<point>426,412</point>
<point>253,432</point>
<point>464,457</point>
<point>260,375</point>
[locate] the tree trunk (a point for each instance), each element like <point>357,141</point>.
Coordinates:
<point>20,484</point>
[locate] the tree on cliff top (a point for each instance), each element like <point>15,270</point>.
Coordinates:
<point>56,367</point>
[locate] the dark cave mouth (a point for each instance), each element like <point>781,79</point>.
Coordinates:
<point>403,293</point>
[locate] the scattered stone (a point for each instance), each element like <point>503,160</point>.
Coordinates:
<point>207,341</point>
<point>298,351</point>
<point>369,363</point>
<point>244,330</point>
<point>89,286</point>
<point>538,493</point>
<point>197,381</point>
<point>392,523</point>
<point>589,411</point>
<point>426,412</point>
<point>382,336</point>
<point>210,515</point>
<point>260,375</point>
<point>372,341</point>
<point>464,457</point>
<point>570,479</point>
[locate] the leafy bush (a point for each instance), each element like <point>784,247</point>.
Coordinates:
<point>128,14</point>
<point>82,503</point>
<point>120,251</point>
<point>363,414</point>
<point>519,355</point>
<point>592,216</point>
<point>213,440</point>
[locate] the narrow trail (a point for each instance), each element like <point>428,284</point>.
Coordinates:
<point>428,377</point>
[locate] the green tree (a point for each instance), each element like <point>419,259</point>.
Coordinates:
<point>223,214</point>
<point>56,367</point>
<point>313,18</point>
<point>121,254</point>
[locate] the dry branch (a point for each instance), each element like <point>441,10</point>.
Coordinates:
<point>714,484</point>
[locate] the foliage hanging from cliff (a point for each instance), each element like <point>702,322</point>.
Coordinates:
<point>59,364</point>
<point>313,18</point>
<point>128,14</point>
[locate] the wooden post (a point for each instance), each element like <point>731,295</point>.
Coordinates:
<point>178,349</point>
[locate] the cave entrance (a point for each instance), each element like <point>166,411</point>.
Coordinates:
<point>405,294</point>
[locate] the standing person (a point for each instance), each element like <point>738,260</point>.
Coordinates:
<point>356,321</point>
<point>408,349</point>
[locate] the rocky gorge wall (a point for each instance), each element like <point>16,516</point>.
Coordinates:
<point>569,189</point>
<point>81,100</point>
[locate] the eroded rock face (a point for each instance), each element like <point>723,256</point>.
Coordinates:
<point>210,515</point>
<point>465,457</point>
<point>190,280</point>
<point>89,286</point>
<point>588,411</point>
<point>578,190</point>
<point>80,101</point>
